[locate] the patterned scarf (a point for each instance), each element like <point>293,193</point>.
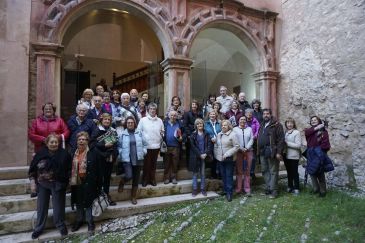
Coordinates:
<point>78,166</point>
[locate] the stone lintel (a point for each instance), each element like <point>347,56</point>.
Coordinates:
<point>176,63</point>
<point>266,75</point>
<point>47,49</point>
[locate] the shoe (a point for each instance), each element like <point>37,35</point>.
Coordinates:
<point>296,192</point>
<point>36,234</point>
<point>229,197</point>
<point>204,193</point>
<point>194,193</point>
<point>144,184</point>
<point>314,192</point>
<point>174,181</point>
<point>167,181</point>
<point>322,194</point>
<point>76,226</point>
<point>273,195</point>
<point>289,190</point>
<point>248,194</point>
<point>64,231</point>
<point>91,227</point>
<point>134,195</point>
<point>153,183</point>
<point>110,201</point>
<point>121,185</point>
<point>267,192</point>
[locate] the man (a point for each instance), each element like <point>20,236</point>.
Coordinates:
<point>243,103</point>
<point>95,112</point>
<point>270,148</point>
<point>224,99</point>
<point>125,110</point>
<point>134,97</point>
<point>173,138</point>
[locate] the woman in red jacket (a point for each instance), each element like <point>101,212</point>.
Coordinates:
<point>46,124</point>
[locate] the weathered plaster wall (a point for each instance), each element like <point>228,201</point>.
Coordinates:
<point>322,60</point>
<point>14,49</point>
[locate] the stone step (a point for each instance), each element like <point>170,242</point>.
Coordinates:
<point>20,222</point>
<point>21,186</point>
<point>19,172</point>
<point>22,203</point>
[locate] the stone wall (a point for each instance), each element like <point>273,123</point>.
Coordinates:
<point>14,50</point>
<point>322,65</point>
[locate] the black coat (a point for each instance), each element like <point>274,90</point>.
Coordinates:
<point>90,188</point>
<point>99,145</point>
<point>189,120</point>
<point>195,160</point>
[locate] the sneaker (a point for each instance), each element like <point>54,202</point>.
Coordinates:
<point>91,227</point>
<point>229,197</point>
<point>64,231</point>
<point>194,193</point>
<point>167,181</point>
<point>204,193</point>
<point>296,192</point>
<point>36,234</point>
<point>174,181</point>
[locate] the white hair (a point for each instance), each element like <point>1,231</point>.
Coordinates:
<point>79,106</point>
<point>124,95</point>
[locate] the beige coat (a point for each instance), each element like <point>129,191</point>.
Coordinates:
<point>226,145</point>
<point>293,142</point>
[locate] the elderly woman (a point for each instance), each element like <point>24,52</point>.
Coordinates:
<point>244,156</point>
<point>201,148</point>
<point>208,107</point>
<point>46,124</point>
<point>78,123</point>
<point>318,145</point>
<point>234,113</point>
<point>104,139</point>
<point>107,106</point>
<point>132,149</point>
<point>51,169</point>
<point>257,111</point>
<point>217,106</point>
<point>175,106</point>
<point>225,149</point>
<point>152,128</point>
<point>86,98</point>
<point>125,110</point>
<point>85,181</point>
<point>293,142</point>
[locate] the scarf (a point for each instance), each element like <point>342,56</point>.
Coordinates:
<point>78,166</point>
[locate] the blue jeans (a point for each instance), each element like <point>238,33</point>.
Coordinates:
<point>202,177</point>
<point>226,168</point>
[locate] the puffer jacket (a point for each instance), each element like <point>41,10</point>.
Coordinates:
<point>152,128</point>
<point>124,146</point>
<point>42,127</point>
<point>255,126</point>
<point>226,145</point>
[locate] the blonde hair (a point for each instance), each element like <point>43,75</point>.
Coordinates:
<point>88,91</point>
<point>228,123</point>
<point>197,121</point>
<point>84,134</point>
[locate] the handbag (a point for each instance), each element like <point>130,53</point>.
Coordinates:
<point>163,148</point>
<point>99,205</point>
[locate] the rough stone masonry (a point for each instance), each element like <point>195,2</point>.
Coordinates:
<point>322,66</point>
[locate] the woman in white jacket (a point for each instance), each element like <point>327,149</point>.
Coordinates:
<point>244,156</point>
<point>225,149</point>
<point>152,129</point>
<point>293,142</point>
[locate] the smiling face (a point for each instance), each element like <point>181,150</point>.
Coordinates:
<point>200,126</point>
<point>223,91</point>
<point>88,96</point>
<point>99,90</point>
<point>314,121</point>
<point>290,125</point>
<point>173,116</point>
<point>106,121</point>
<point>125,100</point>
<point>194,106</point>
<point>130,124</point>
<point>212,116</point>
<point>242,121</point>
<point>97,102</point>
<point>48,111</point>
<point>52,144</point>
<point>145,97</point>
<point>176,102</point>
<point>234,105</point>
<point>225,127</point>
<point>116,96</point>
<point>82,142</point>
<point>81,112</point>
<point>266,115</point>
<point>152,111</point>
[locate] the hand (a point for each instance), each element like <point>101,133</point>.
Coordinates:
<point>214,140</point>
<point>244,149</point>
<point>203,156</point>
<point>95,121</point>
<point>33,186</point>
<point>318,127</point>
<point>108,145</point>
<point>279,157</point>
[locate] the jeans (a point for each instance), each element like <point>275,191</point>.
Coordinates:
<point>226,168</point>
<point>131,172</point>
<point>202,177</point>
<point>270,171</point>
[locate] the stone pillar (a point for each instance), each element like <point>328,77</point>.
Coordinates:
<point>177,80</point>
<point>48,75</point>
<point>266,89</point>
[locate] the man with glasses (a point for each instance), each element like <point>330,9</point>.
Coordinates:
<point>94,113</point>
<point>224,99</point>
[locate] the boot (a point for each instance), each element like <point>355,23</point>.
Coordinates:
<point>134,195</point>
<point>121,185</point>
<point>239,183</point>
<point>110,201</point>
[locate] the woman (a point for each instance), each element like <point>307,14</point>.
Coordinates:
<point>201,148</point>
<point>212,127</point>
<point>85,181</point>
<point>244,156</point>
<point>50,169</point>
<point>217,106</point>
<point>208,107</point>
<point>293,142</point>
<point>46,124</point>
<point>153,129</point>
<point>107,106</point>
<point>145,98</point>
<point>176,106</point>
<point>104,139</point>
<point>141,108</point>
<point>132,149</point>
<point>225,149</point>
<point>318,145</point>
<point>116,102</point>
<point>257,111</point>
<point>86,98</point>
<point>234,114</point>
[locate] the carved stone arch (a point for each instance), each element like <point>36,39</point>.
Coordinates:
<point>61,14</point>
<point>245,27</point>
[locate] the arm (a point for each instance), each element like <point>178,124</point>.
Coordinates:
<point>235,147</point>
<point>297,144</point>
<point>250,142</point>
<point>64,129</point>
<point>325,142</point>
<point>33,136</point>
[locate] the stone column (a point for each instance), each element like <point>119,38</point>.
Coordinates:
<point>177,80</point>
<point>266,89</point>
<point>48,74</point>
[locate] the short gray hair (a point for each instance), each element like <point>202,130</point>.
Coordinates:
<point>79,106</point>
<point>152,105</point>
<point>249,110</point>
<point>124,95</point>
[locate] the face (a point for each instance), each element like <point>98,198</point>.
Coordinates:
<point>194,106</point>
<point>106,122</point>
<point>256,106</point>
<point>142,105</point>
<point>152,111</point>
<point>267,116</point>
<point>225,127</point>
<point>116,96</point>
<point>212,116</point>
<point>145,97</point>
<point>290,125</point>
<point>223,91</point>
<point>52,144</point>
<point>48,111</point>
<point>88,96</point>
<point>176,101</point>
<point>200,126</point>
<point>314,121</point>
<point>216,107</point>
<point>173,116</point>
<point>99,89</point>
<point>82,142</point>
<point>133,93</point>
<point>97,102</point>
<point>241,97</point>
<point>81,113</point>
<point>242,121</point>
<point>234,106</point>
<point>211,99</point>
<point>248,115</point>
<point>125,100</point>
<point>106,99</point>
<point>130,124</point>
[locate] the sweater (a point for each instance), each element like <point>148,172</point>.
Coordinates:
<point>248,137</point>
<point>293,142</point>
<point>152,128</point>
<point>226,145</point>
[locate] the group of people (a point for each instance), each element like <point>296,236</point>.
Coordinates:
<point>229,135</point>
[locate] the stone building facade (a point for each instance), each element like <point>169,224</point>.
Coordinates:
<point>310,60</point>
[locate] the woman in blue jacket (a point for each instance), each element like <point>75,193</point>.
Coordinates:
<point>132,148</point>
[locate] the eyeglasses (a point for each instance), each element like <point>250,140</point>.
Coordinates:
<point>82,139</point>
